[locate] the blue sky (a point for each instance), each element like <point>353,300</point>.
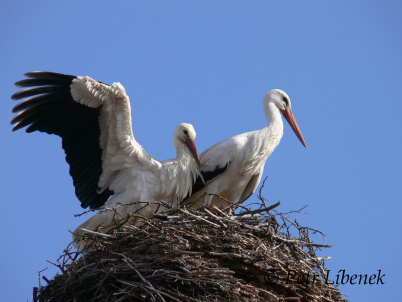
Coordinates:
<point>209,63</point>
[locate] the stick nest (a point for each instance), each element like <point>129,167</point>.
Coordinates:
<point>196,256</point>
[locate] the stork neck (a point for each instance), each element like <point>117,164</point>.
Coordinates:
<point>272,134</point>
<point>183,156</point>
<point>182,172</point>
<point>181,150</point>
<point>273,116</point>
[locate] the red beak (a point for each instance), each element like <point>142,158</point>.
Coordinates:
<point>288,114</point>
<point>193,149</point>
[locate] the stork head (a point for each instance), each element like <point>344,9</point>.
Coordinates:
<point>282,102</point>
<point>184,137</point>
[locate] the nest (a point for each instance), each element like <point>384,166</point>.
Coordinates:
<point>202,255</point>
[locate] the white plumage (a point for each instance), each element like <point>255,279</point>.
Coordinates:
<point>110,169</point>
<point>242,157</point>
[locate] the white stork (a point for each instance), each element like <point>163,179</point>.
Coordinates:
<point>94,121</point>
<point>233,168</point>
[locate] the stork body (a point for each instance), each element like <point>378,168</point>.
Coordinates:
<point>110,169</point>
<point>243,157</point>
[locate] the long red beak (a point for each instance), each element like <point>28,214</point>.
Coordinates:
<point>288,114</point>
<point>193,149</point>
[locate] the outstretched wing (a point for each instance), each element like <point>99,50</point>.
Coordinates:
<point>94,121</point>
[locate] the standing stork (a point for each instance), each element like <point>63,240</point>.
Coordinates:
<point>233,168</point>
<point>109,168</point>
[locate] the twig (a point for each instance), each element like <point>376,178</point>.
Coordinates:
<point>39,274</point>
<point>216,217</point>
<point>267,209</point>
<point>299,242</point>
<point>98,234</point>
<point>260,197</point>
<point>85,212</point>
<point>200,218</point>
<point>57,265</point>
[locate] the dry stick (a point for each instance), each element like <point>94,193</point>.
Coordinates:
<point>188,253</point>
<point>35,289</point>
<point>302,243</point>
<point>39,273</point>
<point>165,217</point>
<point>248,212</point>
<point>69,256</point>
<point>216,217</point>
<point>297,211</point>
<point>102,281</point>
<point>97,233</point>
<point>129,262</point>
<point>57,265</point>
<point>152,289</point>
<point>229,220</point>
<point>218,196</point>
<point>260,197</point>
<point>219,282</point>
<point>198,217</point>
<point>178,294</point>
<point>220,211</point>
<point>308,244</point>
<point>144,280</point>
<point>85,212</point>
<point>315,260</point>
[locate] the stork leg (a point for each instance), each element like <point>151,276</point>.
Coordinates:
<point>208,200</point>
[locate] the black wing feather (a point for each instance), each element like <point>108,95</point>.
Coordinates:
<point>206,176</point>
<point>49,107</point>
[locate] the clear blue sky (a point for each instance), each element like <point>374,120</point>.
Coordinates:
<point>209,63</point>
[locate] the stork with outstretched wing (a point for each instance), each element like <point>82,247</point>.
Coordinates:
<point>109,168</point>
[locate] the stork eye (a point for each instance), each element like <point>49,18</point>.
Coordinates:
<point>286,100</point>
<point>185,132</point>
